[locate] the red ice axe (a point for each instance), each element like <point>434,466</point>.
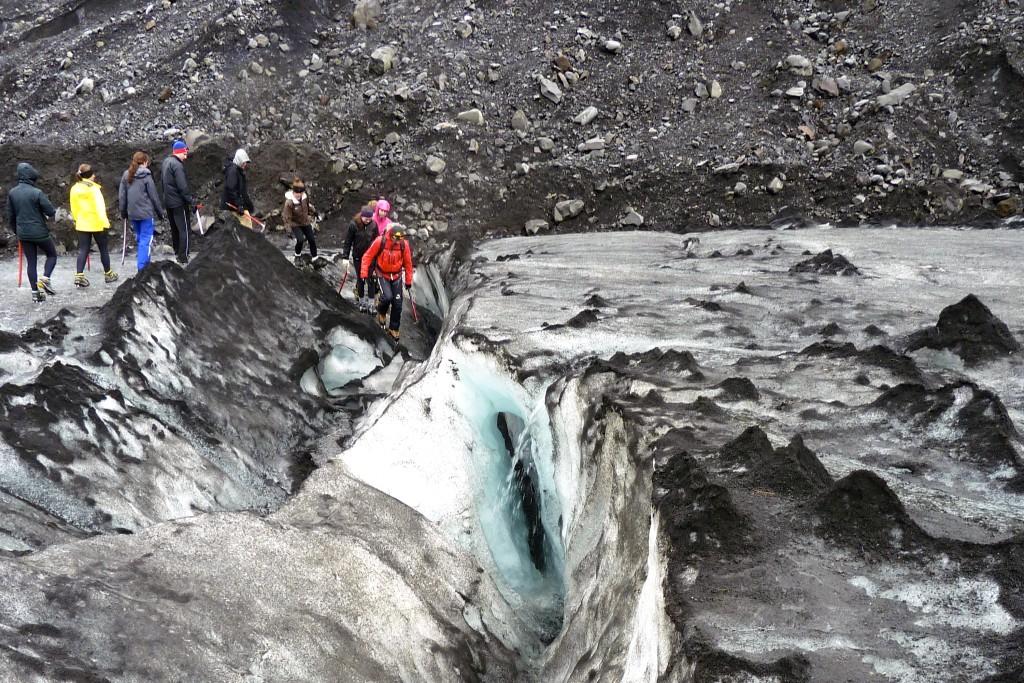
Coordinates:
<point>21,257</point>
<point>412,300</point>
<point>257,221</point>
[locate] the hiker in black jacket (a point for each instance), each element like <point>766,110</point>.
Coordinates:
<point>236,188</point>
<point>362,231</point>
<point>178,199</point>
<point>27,210</point>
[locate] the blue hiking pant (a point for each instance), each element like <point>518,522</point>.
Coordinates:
<point>143,240</point>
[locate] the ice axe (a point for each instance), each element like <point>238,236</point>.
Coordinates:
<point>344,279</point>
<point>199,218</point>
<point>253,219</point>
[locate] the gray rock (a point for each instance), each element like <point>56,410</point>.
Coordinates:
<point>190,65</point>
<point>612,46</point>
<point>435,165</point>
<point>826,85</point>
<point>799,65</point>
<point>689,105</point>
<point>473,116</point>
<point>701,91</point>
<point>952,174</point>
<point>674,32</point>
<point>632,219</point>
<point>694,25</point>
<point>85,86</point>
<point>550,90</point>
<point>715,90</point>
<point>262,40</point>
<point>382,59</point>
<point>535,225</point>
<point>896,96</point>
<point>520,122</point>
<point>796,92</point>
<point>776,185</point>
<point>568,208</point>
<point>546,144</point>
<point>591,145</point>
<point>862,147</point>
<point>464,29</point>
<point>586,116</point>
<point>740,188</point>
<point>366,14</point>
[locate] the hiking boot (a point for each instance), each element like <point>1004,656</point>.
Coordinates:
<point>182,261</point>
<point>393,334</point>
<point>38,296</point>
<point>81,280</point>
<point>110,276</point>
<point>44,282</point>
<point>382,320</point>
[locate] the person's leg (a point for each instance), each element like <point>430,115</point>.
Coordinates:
<point>185,238</point>
<point>103,243</point>
<point>396,305</point>
<point>174,218</point>
<point>50,249</point>
<point>144,234</point>
<point>307,230</point>
<point>299,238</point>
<point>385,300</point>
<point>84,242</point>
<point>360,283</point>
<point>31,254</point>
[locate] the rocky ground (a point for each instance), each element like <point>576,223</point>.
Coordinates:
<point>498,117</point>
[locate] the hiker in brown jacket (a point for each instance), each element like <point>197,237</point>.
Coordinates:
<point>298,216</point>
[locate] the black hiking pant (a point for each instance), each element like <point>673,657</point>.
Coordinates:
<point>181,227</point>
<point>31,250</point>
<point>391,297</point>
<point>367,287</point>
<point>85,240</point>
<point>302,234</point>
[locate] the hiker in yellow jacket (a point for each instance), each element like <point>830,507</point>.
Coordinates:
<point>91,223</point>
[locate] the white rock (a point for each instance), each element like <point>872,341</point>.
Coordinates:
<point>474,116</point>
<point>952,174</point>
<point>382,59</point>
<point>612,46</point>
<point>896,96</point>
<point>550,90</point>
<point>797,91</point>
<point>85,86</point>
<point>520,122</point>
<point>694,25</point>
<point>535,225</point>
<point>632,219</point>
<point>862,147</point>
<point>776,185</point>
<point>591,145</point>
<point>566,209</point>
<point>586,116</point>
<point>715,89</point>
<point>435,165</point>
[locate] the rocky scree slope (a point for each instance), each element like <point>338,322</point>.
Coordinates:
<point>692,114</point>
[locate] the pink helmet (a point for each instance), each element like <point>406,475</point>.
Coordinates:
<point>383,205</point>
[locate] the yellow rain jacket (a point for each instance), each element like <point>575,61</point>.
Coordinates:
<point>88,208</point>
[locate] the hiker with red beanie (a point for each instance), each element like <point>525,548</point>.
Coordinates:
<point>380,216</point>
<point>178,199</point>
<point>388,256</point>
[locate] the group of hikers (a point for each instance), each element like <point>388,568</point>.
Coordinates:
<point>374,245</point>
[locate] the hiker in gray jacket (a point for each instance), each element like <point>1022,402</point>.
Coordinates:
<point>140,204</point>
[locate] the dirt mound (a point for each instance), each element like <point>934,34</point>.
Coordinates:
<point>738,389</point>
<point>826,263</point>
<point>878,355</point>
<point>657,363</point>
<point>984,433</point>
<point>970,330</point>
<point>793,470</point>
<point>861,512</point>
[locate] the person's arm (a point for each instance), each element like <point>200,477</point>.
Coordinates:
<point>45,206</point>
<point>350,238</point>
<point>181,182</point>
<point>122,197</point>
<point>75,202</point>
<point>11,218</point>
<point>408,265</point>
<point>287,214</point>
<point>368,258</point>
<point>150,189</point>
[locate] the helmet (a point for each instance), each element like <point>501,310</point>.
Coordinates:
<point>383,206</point>
<point>397,231</point>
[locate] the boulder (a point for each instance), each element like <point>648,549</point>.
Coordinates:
<point>568,208</point>
<point>473,116</point>
<point>382,59</point>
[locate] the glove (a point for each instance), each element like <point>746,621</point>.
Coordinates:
<point>344,265</point>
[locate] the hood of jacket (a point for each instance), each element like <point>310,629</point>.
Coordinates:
<point>142,172</point>
<point>27,174</point>
<point>241,157</point>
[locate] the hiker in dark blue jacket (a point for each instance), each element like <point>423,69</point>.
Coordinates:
<point>27,210</point>
<point>178,200</point>
<point>139,203</point>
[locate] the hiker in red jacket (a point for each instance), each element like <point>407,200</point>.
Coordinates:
<point>388,256</point>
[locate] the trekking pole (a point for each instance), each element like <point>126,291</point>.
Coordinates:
<point>124,241</point>
<point>412,300</point>
<point>21,257</point>
<point>341,285</point>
